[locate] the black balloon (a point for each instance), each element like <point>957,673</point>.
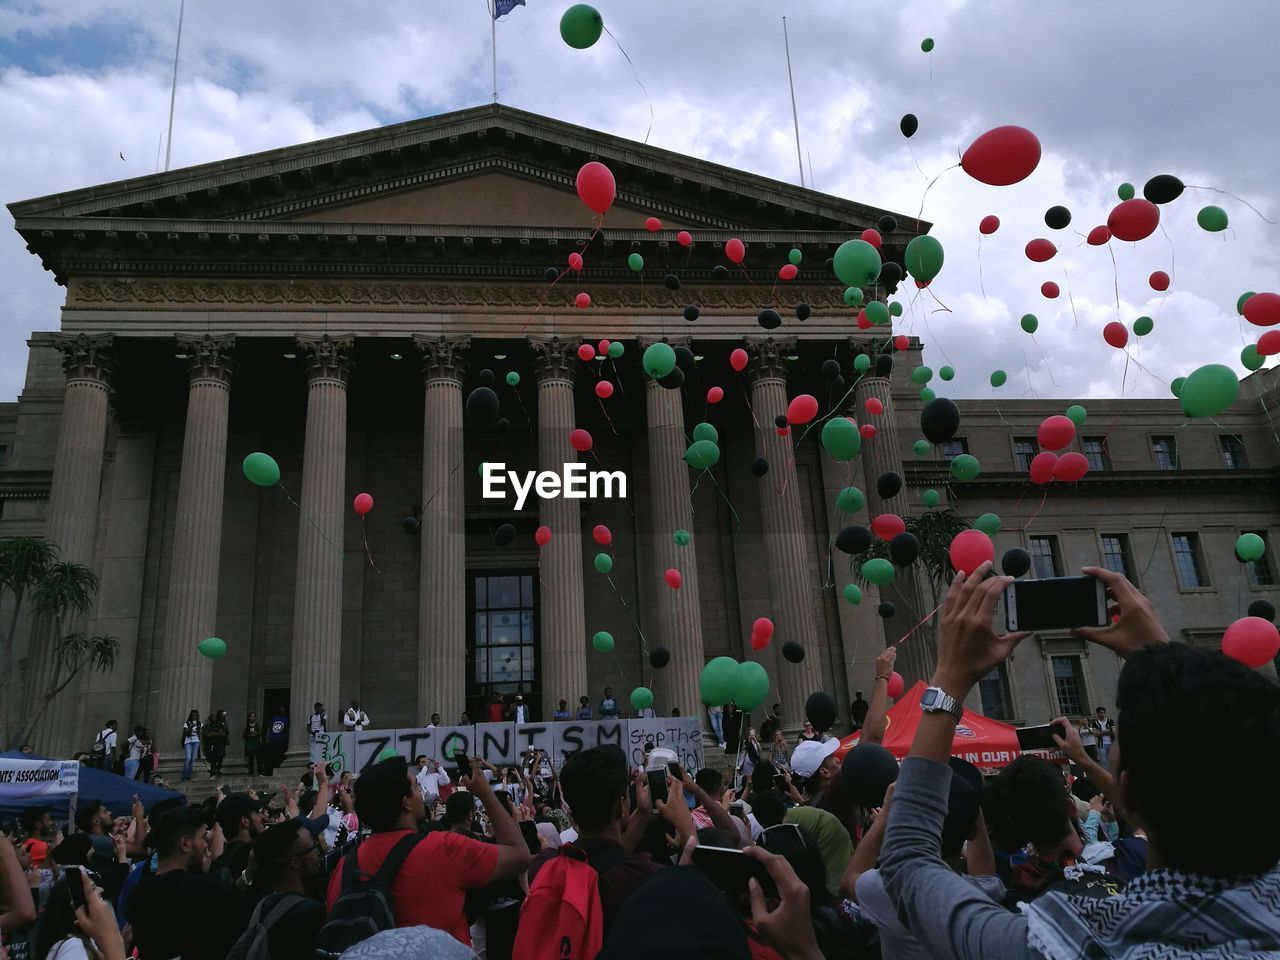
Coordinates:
<point>1163,188</point>
<point>719,271</point>
<point>803,311</point>
<point>884,365</point>
<point>830,369</point>
<point>411,524</point>
<point>866,773</point>
<point>504,535</point>
<point>904,549</point>
<point>837,385</point>
<point>692,313</point>
<point>909,124</point>
<point>886,610</point>
<point>1015,562</point>
<point>503,425</point>
<point>769,319</point>
<point>659,657</point>
<point>684,359</point>
<point>759,466</point>
<point>780,420</point>
<point>792,652</point>
<point>820,710</point>
<point>671,281</point>
<point>1263,609</point>
<point>853,539</point>
<point>486,377</point>
<point>888,223</point>
<point>482,407</point>
<point>550,274</point>
<point>673,380</point>
<point>1056,218</point>
<point>888,485</point>
<point>939,420</point>
<point>890,273</point>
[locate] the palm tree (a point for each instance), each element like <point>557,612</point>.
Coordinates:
<point>23,562</point>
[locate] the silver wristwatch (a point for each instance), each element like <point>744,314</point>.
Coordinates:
<point>937,700</point>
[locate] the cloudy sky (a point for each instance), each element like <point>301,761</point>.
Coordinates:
<point>1115,92</point>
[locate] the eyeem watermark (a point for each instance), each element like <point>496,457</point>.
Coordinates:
<point>574,482</point>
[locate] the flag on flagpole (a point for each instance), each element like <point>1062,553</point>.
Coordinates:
<point>502,7</point>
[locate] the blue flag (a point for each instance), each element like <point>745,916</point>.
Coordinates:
<point>502,7</point>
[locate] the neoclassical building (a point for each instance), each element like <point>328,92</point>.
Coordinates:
<point>336,303</point>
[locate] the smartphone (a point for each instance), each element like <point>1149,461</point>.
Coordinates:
<point>736,809</point>
<point>675,769</point>
<point>75,888</point>
<point>657,785</point>
<point>529,830</point>
<point>329,770</point>
<point>730,869</point>
<point>1041,737</point>
<point>463,763</point>
<point>780,783</point>
<point>1058,603</point>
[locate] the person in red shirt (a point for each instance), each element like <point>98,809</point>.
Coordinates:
<point>431,885</point>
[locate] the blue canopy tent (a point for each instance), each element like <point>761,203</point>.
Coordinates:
<point>113,790</point>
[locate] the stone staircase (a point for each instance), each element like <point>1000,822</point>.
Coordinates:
<point>234,777</point>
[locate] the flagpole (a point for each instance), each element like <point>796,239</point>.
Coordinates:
<point>173,90</point>
<point>794,116</point>
<point>493,46</point>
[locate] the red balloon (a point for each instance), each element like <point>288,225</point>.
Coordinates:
<point>763,627</point>
<point>575,261</point>
<point>787,271</point>
<point>864,322</point>
<point>802,409</point>
<point>586,353</point>
<point>602,534</point>
<point>580,440</point>
<point>1262,309</point>
<point>602,348</point>
<point>1269,343</point>
<point>1056,432</point>
<point>1070,467</point>
<point>715,395</point>
<point>734,250</point>
<point>1038,251</point>
<point>783,431</point>
<point>363,504</point>
<point>896,685</point>
<point>872,237</point>
<point>1098,236</point>
<point>900,342</point>
<point>738,359</point>
<point>652,224</point>
<point>684,238</point>
<point>1159,281</point>
<point>673,578</point>
<point>1116,334</point>
<point>542,536</point>
<point>1134,219</point>
<point>989,224</point>
<point>867,430</point>
<point>582,301</point>
<point>1049,289</point>
<point>604,389</point>
<point>921,284</point>
<point>970,549</point>
<point>596,186</point>
<point>759,643</point>
<point>1042,465</point>
<point>1002,156</point>
<point>875,406</point>
<point>886,526</point>
<point>1251,640</point>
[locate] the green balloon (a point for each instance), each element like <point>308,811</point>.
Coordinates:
<point>1143,325</point>
<point>1176,387</point>
<point>1240,302</point>
<point>878,571</point>
<point>927,395</point>
<point>930,498</point>
<point>1209,390</point>
<point>702,454</point>
<point>1251,358</point>
<point>853,594</point>
<point>850,499</point>
<point>513,379</point>
<point>581,26</point>
<point>856,263</point>
<point>988,523</point>
<point>895,308</point>
<point>921,448</point>
<point>921,375</point>
<point>1125,191</point>
<point>753,685</point>
<point>853,296</point>
<point>659,360</point>
<point>965,467</point>
<point>998,378</point>
<point>1030,323</point>
<point>1250,547</point>
<point>262,469</point>
<point>1077,414</point>
<point>635,262</point>
<point>616,349</point>
<point>682,538</point>
<point>794,256</point>
<point>1213,219</point>
<point>641,698</point>
<point>602,641</point>
<point>947,373</point>
<point>841,439</point>
<point>719,681</point>
<point>386,753</point>
<point>604,563</point>
<point>926,44</point>
<point>923,257</point>
<point>705,431</point>
<point>878,313</point>
<point>862,363</point>
<point>213,648</point>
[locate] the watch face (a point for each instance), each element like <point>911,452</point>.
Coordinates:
<point>929,698</point>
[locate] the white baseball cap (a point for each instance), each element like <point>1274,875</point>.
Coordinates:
<point>809,754</point>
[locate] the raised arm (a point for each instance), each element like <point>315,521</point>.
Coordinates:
<point>1073,750</point>
<point>15,896</point>
<point>513,852</point>
<point>874,726</point>
<point>867,852</point>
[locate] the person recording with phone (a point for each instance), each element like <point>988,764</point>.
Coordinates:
<point>78,924</point>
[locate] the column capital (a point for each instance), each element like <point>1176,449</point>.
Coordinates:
<point>443,358</point>
<point>209,357</point>
<point>328,358</point>
<point>555,358</point>
<point>85,356</point>
<point>769,357</point>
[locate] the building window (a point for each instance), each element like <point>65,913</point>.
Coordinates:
<point>994,689</point>
<point>1024,449</point>
<point>1068,684</point>
<point>1165,451</point>
<point>1044,557</point>
<point>1095,451</point>
<point>1260,574</point>
<point>1116,556</point>
<point>1233,455</point>
<point>1187,558</point>
<point>503,652</point>
<point>954,447</point>
<point>4,455</point>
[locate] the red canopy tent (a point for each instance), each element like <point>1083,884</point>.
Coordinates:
<point>986,743</point>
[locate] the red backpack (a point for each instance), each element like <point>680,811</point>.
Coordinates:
<point>561,918</point>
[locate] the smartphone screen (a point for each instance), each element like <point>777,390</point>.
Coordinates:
<point>675,769</point>
<point>730,869</point>
<point>780,783</point>
<point>736,809</point>
<point>529,830</point>
<point>463,763</point>
<point>1039,738</point>
<point>657,785</point>
<point>75,887</point>
<point>1058,603</point>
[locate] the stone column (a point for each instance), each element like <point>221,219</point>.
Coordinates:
<point>192,607</point>
<point>679,616</point>
<point>563,626</point>
<point>442,584</point>
<point>786,534</point>
<point>317,600</point>
<point>70,525</point>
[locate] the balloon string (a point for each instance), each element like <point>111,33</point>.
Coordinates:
<point>528,419</point>
<point>364,533</point>
<point>723,496</point>
<point>310,519</point>
<point>1115,278</point>
<point>927,617</point>
<point>746,395</point>
<point>942,307</point>
<point>920,213</point>
<point>981,284</point>
<point>546,292</point>
<point>1048,368</point>
<point>636,74</point>
<point>912,151</point>
<point>1233,197</point>
<point>1033,516</point>
<point>1071,300</point>
<point>625,502</point>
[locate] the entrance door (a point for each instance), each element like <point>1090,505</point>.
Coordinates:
<point>273,698</point>
<point>503,644</point>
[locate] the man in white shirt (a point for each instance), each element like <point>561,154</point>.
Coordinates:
<point>435,721</point>
<point>355,719</point>
<point>317,725</point>
<point>520,710</point>
<point>103,754</point>
<point>430,778</point>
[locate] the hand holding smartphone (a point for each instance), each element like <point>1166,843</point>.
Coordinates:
<point>730,869</point>
<point>1056,603</point>
<point>463,763</point>
<point>1041,737</point>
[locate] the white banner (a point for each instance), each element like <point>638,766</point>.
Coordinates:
<point>681,735</point>
<point>20,779</point>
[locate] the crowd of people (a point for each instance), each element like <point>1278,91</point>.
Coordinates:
<point>796,856</point>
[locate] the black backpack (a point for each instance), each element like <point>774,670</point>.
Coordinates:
<point>253,943</point>
<point>364,907</point>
